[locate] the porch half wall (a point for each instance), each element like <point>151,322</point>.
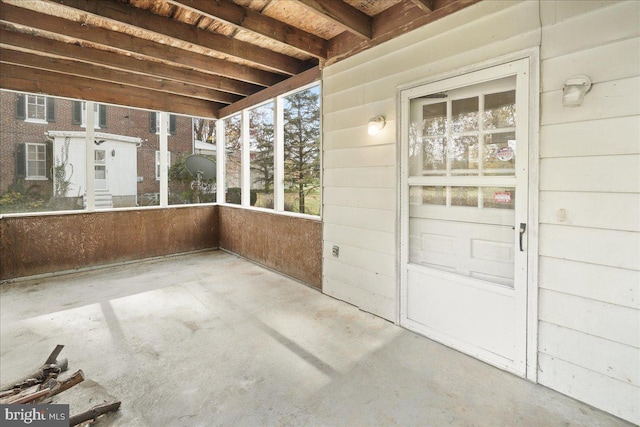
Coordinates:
<point>57,243</point>
<point>33,245</point>
<point>287,244</point>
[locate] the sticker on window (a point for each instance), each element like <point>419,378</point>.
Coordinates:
<point>502,197</point>
<point>505,154</point>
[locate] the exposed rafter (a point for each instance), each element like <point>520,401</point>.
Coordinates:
<point>244,18</point>
<point>44,46</point>
<point>27,79</point>
<point>126,43</point>
<point>348,17</point>
<point>171,29</point>
<point>200,57</point>
<point>82,69</point>
<point>425,5</point>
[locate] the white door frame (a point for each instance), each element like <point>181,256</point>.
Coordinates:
<point>533,56</point>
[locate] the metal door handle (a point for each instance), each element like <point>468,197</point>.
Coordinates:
<point>523,228</point>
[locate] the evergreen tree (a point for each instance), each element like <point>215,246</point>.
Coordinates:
<point>302,143</point>
<point>262,142</point>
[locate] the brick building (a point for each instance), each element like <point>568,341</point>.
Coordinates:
<point>28,124</point>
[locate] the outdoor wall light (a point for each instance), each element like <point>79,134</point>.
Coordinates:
<point>376,124</point>
<point>113,152</point>
<point>574,90</point>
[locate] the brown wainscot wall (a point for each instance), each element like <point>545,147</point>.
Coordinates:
<point>32,245</point>
<point>288,244</point>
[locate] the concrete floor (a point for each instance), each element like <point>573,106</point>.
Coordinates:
<point>211,339</point>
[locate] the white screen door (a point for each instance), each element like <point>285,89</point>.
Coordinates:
<point>464,213</point>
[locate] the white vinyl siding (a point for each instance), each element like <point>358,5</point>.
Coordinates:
<point>589,321</point>
<point>589,278</point>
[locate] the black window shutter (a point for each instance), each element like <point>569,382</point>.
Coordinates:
<point>102,110</point>
<point>172,124</point>
<point>21,161</point>
<point>21,108</point>
<point>49,160</point>
<point>76,114</point>
<point>152,122</point>
<point>51,109</point>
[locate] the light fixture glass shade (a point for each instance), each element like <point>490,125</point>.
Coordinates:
<point>574,91</point>
<point>376,124</point>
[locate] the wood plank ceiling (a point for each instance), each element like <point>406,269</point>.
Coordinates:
<point>198,57</point>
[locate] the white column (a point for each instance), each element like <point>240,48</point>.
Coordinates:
<point>90,160</point>
<point>220,161</point>
<point>278,155</point>
<point>164,175</point>
<point>245,181</point>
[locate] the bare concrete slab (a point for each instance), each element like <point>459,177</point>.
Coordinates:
<point>210,339</point>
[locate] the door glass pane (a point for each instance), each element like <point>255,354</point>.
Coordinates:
<point>434,160</point>
<point>428,195</point>
<point>500,110</point>
<point>499,198</point>
<point>464,196</point>
<point>464,155</point>
<point>434,119</point>
<point>500,153</point>
<point>464,115</point>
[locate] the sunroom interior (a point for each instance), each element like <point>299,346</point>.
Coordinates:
<point>177,197</point>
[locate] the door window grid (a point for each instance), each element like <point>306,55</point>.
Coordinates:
<point>468,133</point>
<point>467,130</point>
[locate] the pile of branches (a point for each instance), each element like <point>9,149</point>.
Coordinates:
<point>44,383</point>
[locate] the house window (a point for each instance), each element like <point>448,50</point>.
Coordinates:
<point>79,114</point>
<point>36,161</point>
<point>158,164</point>
<point>96,115</point>
<point>154,123</point>
<point>36,108</point>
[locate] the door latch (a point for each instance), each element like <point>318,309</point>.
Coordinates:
<point>523,228</point>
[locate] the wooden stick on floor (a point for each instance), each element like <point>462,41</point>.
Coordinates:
<point>43,373</point>
<point>93,413</point>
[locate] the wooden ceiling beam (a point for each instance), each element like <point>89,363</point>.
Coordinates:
<point>278,89</point>
<point>246,19</point>
<point>42,45</point>
<point>392,22</point>
<point>342,14</point>
<point>33,80</point>
<point>137,18</point>
<point>425,5</point>
<point>16,15</point>
<point>82,69</point>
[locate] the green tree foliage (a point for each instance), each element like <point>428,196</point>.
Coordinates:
<point>262,142</point>
<point>302,143</point>
<point>233,152</point>
<point>204,130</point>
